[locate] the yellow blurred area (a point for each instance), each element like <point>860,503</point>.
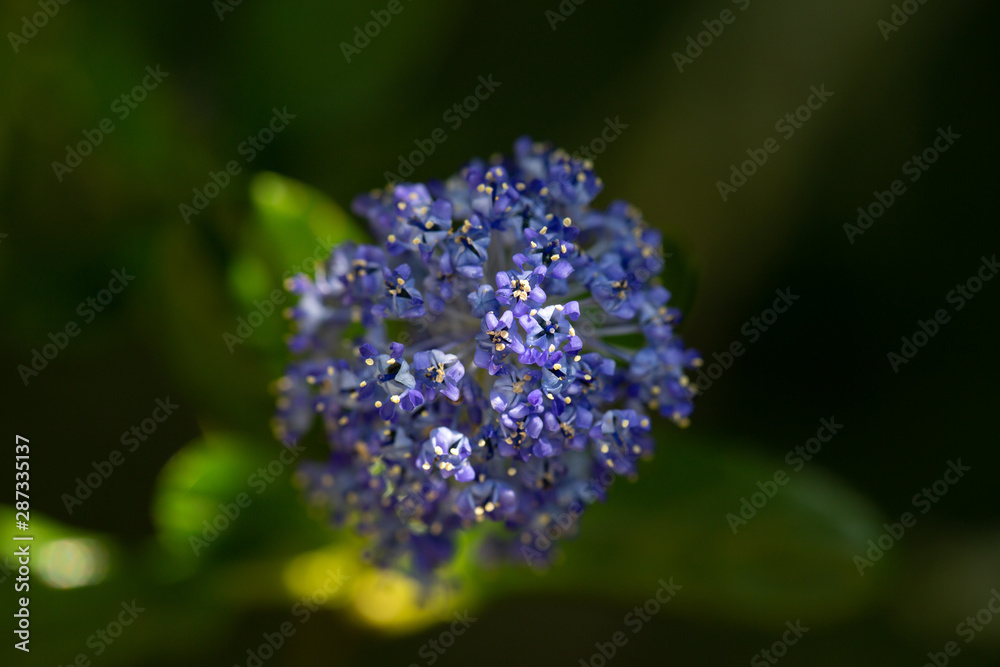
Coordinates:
<point>386,600</point>
<point>72,562</point>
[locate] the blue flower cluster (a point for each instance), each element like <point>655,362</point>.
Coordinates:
<point>496,351</point>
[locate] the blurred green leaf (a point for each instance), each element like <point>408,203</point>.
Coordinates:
<point>792,559</point>
<point>293,228</point>
<point>224,497</point>
<point>298,215</point>
<point>174,620</point>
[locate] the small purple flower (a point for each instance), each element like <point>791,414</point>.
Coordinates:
<point>388,381</point>
<point>422,221</point>
<point>466,249</point>
<point>657,319</point>
<point>519,400</point>
<point>448,451</point>
<point>511,392</point>
<point>666,389</point>
<point>489,500</point>
<point>400,297</point>
<point>520,290</point>
<point>550,251</point>
<point>438,373</point>
<point>569,429</point>
<point>493,195</point>
<point>548,329</point>
<point>356,272</point>
<point>621,438</point>
<point>594,379</point>
<point>483,300</point>
<point>614,288</point>
<point>497,339</point>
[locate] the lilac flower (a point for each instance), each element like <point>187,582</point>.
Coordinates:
<point>400,297</point>
<point>493,500</point>
<point>355,272</point>
<point>496,341</point>
<point>569,428</point>
<point>501,408</point>
<point>620,439</point>
<point>439,373</point>
<point>548,329</point>
<point>520,289</point>
<point>483,300</point>
<point>422,222</point>
<point>552,251</point>
<point>448,451</point>
<point>467,248</point>
<point>614,288</point>
<point>388,381</point>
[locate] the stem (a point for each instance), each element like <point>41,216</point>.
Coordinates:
<point>619,330</point>
<point>622,353</point>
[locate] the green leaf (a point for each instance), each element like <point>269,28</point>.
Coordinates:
<point>292,230</point>
<point>292,210</point>
<point>224,497</point>
<point>81,581</point>
<point>792,559</point>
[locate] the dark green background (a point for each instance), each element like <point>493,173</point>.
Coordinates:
<point>783,229</point>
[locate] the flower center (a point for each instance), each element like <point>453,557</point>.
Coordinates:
<point>437,372</point>
<point>498,338</point>
<point>396,289</point>
<point>521,289</point>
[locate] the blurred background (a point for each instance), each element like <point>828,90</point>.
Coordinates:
<point>117,124</point>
